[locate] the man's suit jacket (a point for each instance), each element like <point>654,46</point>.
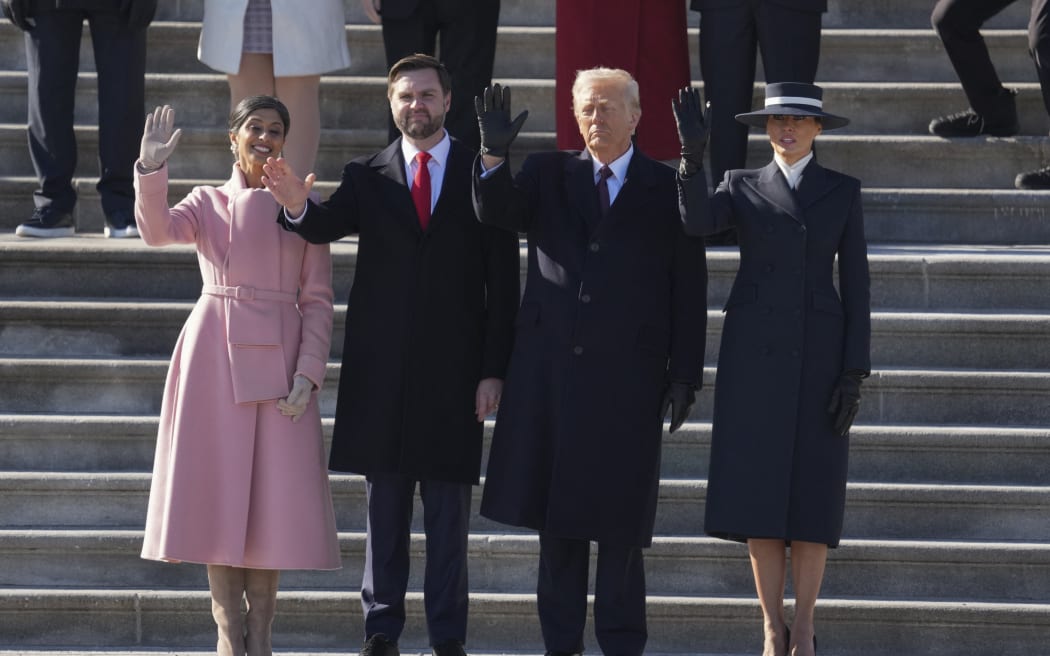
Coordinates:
<point>613,309</point>
<point>430,314</point>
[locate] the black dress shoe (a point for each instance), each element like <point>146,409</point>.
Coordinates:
<point>380,645</point>
<point>449,648</point>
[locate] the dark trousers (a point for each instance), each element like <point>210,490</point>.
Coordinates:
<point>958,23</point>
<point>467,49</point>
<point>446,520</point>
<point>729,37</point>
<point>619,596</point>
<point>52,60</point>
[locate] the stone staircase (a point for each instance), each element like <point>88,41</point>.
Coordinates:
<point>946,547</point>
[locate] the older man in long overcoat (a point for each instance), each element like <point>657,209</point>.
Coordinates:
<point>609,334</point>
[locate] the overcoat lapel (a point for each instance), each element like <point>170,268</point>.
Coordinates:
<point>771,185</point>
<point>814,185</point>
<point>631,200</point>
<point>390,163</point>
<point>581,190</point>
<point>458,174</point>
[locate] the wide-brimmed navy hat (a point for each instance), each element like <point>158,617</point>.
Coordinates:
<point>793,99</point>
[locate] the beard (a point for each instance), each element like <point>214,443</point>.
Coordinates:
<point>419,128</point>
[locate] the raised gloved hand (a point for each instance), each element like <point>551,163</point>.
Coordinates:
<point>497,130</point>
<point>17,11</point>
<point>679,397</point>
<point>295,405</point>
<point>845,401</point>
<point>158,138</point>
<point>694,126</point>
<point>138,14</point>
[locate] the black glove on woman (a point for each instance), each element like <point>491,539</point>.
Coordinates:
<point>693,128</point>
<point>845,401</point>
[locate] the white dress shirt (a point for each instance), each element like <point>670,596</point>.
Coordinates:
<point>619,172</point>
<point>792,172</point>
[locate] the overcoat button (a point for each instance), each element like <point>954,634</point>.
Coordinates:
<point>586,298</point>
<point>577,350</point>
<point>595,247</point>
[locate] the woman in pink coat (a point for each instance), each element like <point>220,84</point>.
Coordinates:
<point>239,480</point>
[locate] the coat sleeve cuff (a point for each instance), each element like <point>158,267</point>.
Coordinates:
<point>313,368</point>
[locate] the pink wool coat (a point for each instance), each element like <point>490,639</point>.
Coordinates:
<point>234,481</point>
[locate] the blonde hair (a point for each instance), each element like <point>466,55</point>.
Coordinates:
<point>588,76</point>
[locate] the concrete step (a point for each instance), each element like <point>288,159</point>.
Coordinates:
<point>891,215</point>
<point>893,396</point>
<point>889,52</point>
<point>359,102</point>
<point>179,619</point>
<point>918,161</point>
<point>107,328</point>
<point>891,569</point>
<point>881,511</point>
<point>978,455</point>
<point>933,278</point>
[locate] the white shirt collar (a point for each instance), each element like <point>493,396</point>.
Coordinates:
<point>439,153</point>
<point>792,172</point>
<point>618,165</point>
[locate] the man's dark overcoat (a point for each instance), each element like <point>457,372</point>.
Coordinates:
<point>613,309</point>
<point>777,469</point>
<point>430,314</point>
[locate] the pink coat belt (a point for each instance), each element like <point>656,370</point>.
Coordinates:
<point>243,293</point>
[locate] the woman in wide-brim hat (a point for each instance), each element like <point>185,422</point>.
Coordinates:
<point>793,353</point>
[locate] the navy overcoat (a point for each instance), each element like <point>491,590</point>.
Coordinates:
<point>612,310</point>
<point>777,469</point>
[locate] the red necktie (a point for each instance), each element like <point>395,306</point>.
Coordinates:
<point>421,188</point>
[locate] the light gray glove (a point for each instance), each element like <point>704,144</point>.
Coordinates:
<point>295,405</point>
<point>158,139</point>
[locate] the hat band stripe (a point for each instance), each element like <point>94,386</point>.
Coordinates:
<point>794,100</point>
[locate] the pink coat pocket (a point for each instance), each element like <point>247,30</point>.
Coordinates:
<point>258,372</point>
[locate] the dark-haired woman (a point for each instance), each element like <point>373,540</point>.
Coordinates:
<point>794,350</point>
<point>239,480</point>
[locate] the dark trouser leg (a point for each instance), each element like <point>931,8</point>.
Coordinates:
<point>561,592</point>
<point>958,23</point>
<point>446,520</point>
<point>727,64</point>
<point>468,48</point>
<point>619,600</point>
<point>790,43</point>
<point>52,61</point>
<point>404,37</point>
<point>1039,46</point>
<point>120,57</point>
<point>385,578</point>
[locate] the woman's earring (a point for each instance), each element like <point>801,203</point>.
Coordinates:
<point>233,148</point>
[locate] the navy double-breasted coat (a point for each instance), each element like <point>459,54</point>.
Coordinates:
<point>778,470</point>
<point>612,310</point>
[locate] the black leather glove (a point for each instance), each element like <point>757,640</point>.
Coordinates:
<point>693,127</point>
<point>138,14</point>
<point>845,401</point>
<point>679,397</point>
<point>497,130</point>
<point>17,11</point>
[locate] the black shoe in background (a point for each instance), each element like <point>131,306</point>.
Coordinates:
<point>121,225</point>
<point>47,222</point>
<point>379,645</point>
<point>1038,179</point>
<point>449,648</point>
<point>724,238</point>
